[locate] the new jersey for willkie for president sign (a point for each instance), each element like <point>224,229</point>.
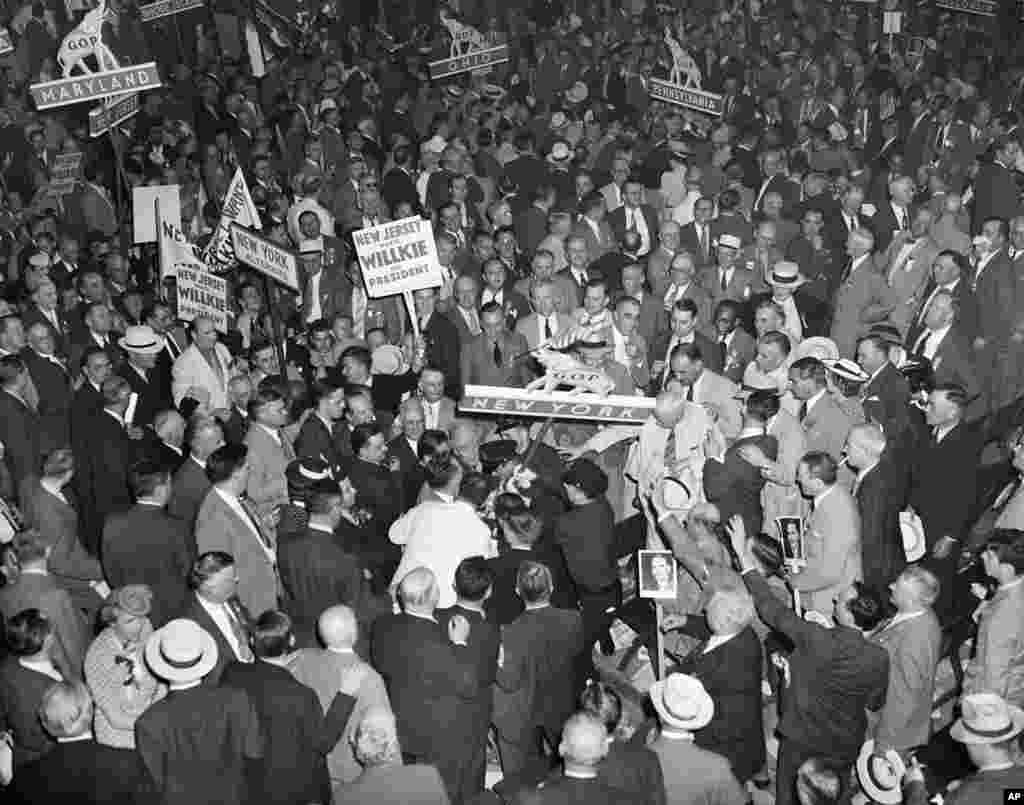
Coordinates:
<point>397,257</point>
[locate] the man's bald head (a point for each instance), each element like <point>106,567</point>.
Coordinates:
<point>418,591</point>
<point>870,438</point>
<point>337,627</point>
<point>668,408</point>
<point>584,741</point>
<point>169,426</point>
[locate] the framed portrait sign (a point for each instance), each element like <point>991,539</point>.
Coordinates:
<point>791,538</point>
<point>658,574</point>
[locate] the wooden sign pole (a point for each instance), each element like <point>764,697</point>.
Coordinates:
<point>659,615</point>
<point>269,292</point>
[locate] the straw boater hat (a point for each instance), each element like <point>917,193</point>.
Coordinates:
<point>142,340</point>
<point>986,719</point>
<point>880,776</point>
<point>181,652</point>
<point>682,702</point>
<point>847,369</point>
<point>786,274</point>
<point>560,153</point>
<point>817,346</point>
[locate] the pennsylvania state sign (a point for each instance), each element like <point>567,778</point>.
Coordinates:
<point>707,102</point>
<point>166,8</point>
<point>555,404</point>
<point>89,87</point>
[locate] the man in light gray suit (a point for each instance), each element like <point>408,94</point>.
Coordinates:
<point>338,668</point>
<point>826,425</point>
<point>228,522</point>
<point>713,391</point>
<point>545,322</point>
<point>593,227</point>
<point>913,639</point>
<point>831,535</point>
<point>864,297</point>
<point>270,451</point>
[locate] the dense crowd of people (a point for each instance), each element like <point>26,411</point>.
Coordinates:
<point>279,563</point>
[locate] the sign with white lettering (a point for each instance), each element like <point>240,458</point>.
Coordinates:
<point>397,257</point>
<point>90,86</point>
<point>238,208</point>
<point>707,102</point>
<point>113,112</point>
<point>267,257</point>
<point>66,168</point>
<point>166,8</point>
<point>472,60</point>
<point>555,404</point>
<point>201,293</point>
<point>6,45</point>
<point>983,8</point>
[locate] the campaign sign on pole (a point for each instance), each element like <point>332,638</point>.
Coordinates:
<point>268,258</point>
<point>238,208</point>
<point>983,8</point>
<point>473,60</point>
<point>66,168</point>
<point>6,45</point>
<point>201,293</point>
<point>113,112</point>
<point>398,257</point>
<point>555,404</point>
<point>167,8</point>
<point>707,102</point>
<point>89,87</point>
<point>143,210</point>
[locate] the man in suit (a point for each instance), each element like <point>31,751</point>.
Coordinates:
<point>316,572</point>
<point>439,412</point>
<point>863,297</point>
<point>652,319</point>
<point>715,392</point>
<point>831,534</point>
<point>45,310</point>
<point>532,224</point>
<point>572,280</point>
<point>847,219</point>
<point>825,424</point>
<point>321,435</point>
<point>190,482</point>
<point>205,364</point>
<point>736,347</point>
<point>545,322</point>
<point>167,443</point>
<point>908,266</point>
<point>384,776</point>
<point>297,733</point>
<point>230,523</point>
<point>327,290</point>
<point>773,168</point>
<point>685,320</point>
<point>726,279</point>
<point>919,139</point>
<point>496,357</point>
<point>949,351</point>
<point>50,377</point>
<point>269,451</point>
<point>614,191</point>
<point>636,216</point>
<point>950,272</point>
<point>885,385</point>
<point>681,284</point>
<point>995,284</point>
<point>806,316</point>
<point>77,769</point>
<point>142,347</point>
<point>103,459</point>
<point>441,338</point>
<point>696,237</point>
<point>593,226</point>
<point>145,545</point>
<point>20,426</point>
<point>913,639</point>
<point>97,332</point>
<point>535,684</point>
<point>184,763</point>
<point>941,493</point>
<point>995,186</point>
<point>473,584</point>
<point>87,399</point>
<point>894,216</point>
<point>496,288</point>
<point>379,489</point>
<point>431,677</point>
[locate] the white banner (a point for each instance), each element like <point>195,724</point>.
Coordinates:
<point>201,293</point>
<point>144,210</point>
<point>268,258</point>
<point>397,257</point>
<point>238,209</point>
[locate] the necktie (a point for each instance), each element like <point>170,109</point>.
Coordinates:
<point>241,636</point>
<point>670,450</point>
<point>497,354</point>
<point>547,328</point>
<point>723,350</point>
<point>724,281</point>
<point>702,237</point>
<point>922,343</point>
<point>286,446</point>
<point>255,523</point>
<point>689,393</point>
<point>474,322</point>
<point>847,272</point>
<point>803,410</point>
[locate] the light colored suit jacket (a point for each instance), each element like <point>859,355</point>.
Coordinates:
<point>780,496</point>
<point>219,528</point>
<point>446,413</point>
<point>826,426</point>
<point>864,299</point>
<point>914,645</point>
<point>191,369</point>
<point>907,274</point>
<point>998,664</point>
<point>719,393</point>
<point>832,547</point>
<point>322,671</point>
<point>268,459</point>
<point>530,328</point>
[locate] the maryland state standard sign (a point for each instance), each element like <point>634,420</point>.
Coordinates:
<point>89,87</point>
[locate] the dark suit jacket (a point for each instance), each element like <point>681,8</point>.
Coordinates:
<point>995,293</point>
<point>709,350</point>
<point>479,368</point>
<point>731,673</point>
<point>883,224</point>
<point>409,468</point>
<point>966,316</point>
<point>101,475</point>
<point>814,318</point>
<point>81,773</point>
<point>53,384</point>
<point>430,683</point>
<point>995,194</point>
<point>954,362</point>
<point>781,184</point>
<point>314,441</point>
<point>735,485</point>
<point>225,653</point>
<point>146,545</point>
<point>586,535</point>
<point>442,338</point>
<point>317,574</point>
<point>890,388</point>
<point>536,685</point>
<point>531,228</point>
<point>86,401</point>
<point>188,490</point>
<point>410,784</point>
<point>21,693</point>
<point>617,221</point>
<point>387,392</point>
<point>33,315</point>
<point>941,492</point>
<point>564,790</point>
<point>20,432</point>
<point>297,734</point>
<point>48,595</point>
<point>396,186</point>
<point>154,394</point>
<point>196,743</point>
<point>235,427</point>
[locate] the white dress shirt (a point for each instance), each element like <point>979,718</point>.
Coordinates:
<point>313,291</point>
<point>635,219</point>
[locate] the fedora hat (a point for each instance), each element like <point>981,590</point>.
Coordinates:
<point>141,339</point>
<point>387,360</point>
<point>817,346</point>
<point>181,652</point>
<point>786,274</point>
<point>682,702</point>
<point>846,369</point>
<point>880,776</point>
<point>986,719</point>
